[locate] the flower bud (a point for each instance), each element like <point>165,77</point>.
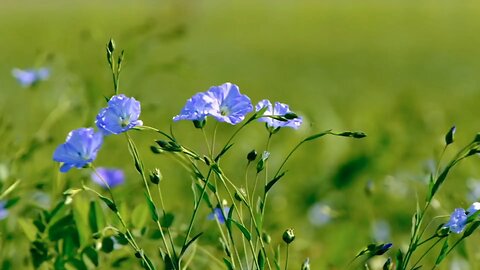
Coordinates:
<point>156,150</point>
<point>288,236</point>
<point>240,195</point>
<point>252,155</point>
<point>111,46</point>
<point>306,264</point>
<point>199,124</point>
<point>266,238</point>
<point>155,176</point>
<point>449,136</point>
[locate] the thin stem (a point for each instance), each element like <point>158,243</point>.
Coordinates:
<point>206,142</point>
<point>425,253</point>
<point>286,258</point>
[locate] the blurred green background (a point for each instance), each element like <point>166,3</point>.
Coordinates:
<point>403,72</point>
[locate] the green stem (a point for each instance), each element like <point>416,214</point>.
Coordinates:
<point>286,258</point>
<point>425,253</point>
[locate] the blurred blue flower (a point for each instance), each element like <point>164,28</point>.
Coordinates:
<point>217,212</point>
<point>458,221</point>
<point>196,109</point>
<point>228,104</point>
<point>279,109</point>
<point>79,150</point>
<point>380,231</point>
<point>3,210</point>
<point>30,77</point>
<point>113,177</point>
<point>320,214</point>
<point>120,115</point>
<point>474,189</point>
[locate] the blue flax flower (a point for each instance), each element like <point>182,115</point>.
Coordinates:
<point>229,105</point>
<point>30,77</point>
<point>217,213</point>
<point>196,109</point>
<point>224,102</point>
<point>120,115</point>
<point>79,150</point>
<point>279,109</point>
<point>113,177</point>
<point>3,210</point>
<point>458,219</point>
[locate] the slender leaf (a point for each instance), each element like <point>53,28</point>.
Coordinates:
<point>443,252</point>
<point>273,182</point>
<point>153,209</point>
<point>228,264</point>
<point>184,248</point>
<point>244,230</point>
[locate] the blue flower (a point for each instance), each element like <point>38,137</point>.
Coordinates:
<point>3,210</point>
<point>113,177</point>
<point>217,213</point>
<point>458,221</point>
<point>121,115</point>
<point>30,77</point>
<point>79,150</point>
<point>279,109</point>
<point>229,105</point>
<point>197,108</point>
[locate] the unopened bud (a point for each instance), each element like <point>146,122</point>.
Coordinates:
<point>306,264</point>
<point>199,124</point>
<point>266,238</point>
<point>288,236</point>
<point>155,176</point>
<point>449,136</point>
<point>111,46</point>
<point>252,155</point>
<point>240,195</point>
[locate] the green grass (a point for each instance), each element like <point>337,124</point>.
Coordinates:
<point>401,71</point>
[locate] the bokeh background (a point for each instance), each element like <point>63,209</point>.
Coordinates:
<point>403,72</point>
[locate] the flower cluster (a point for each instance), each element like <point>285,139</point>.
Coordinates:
<point>30,77</point>
<point>82,145</point>
<point>225,103</point>
<point>459,218</point>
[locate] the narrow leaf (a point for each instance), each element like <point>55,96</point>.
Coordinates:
<point>184,248</point>
<point>228,264</point>
<point>244,230</point>
<point>153,209</point>
<point>273,182</point>
<point>443,252</point>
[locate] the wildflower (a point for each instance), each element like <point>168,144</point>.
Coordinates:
<point>3,210</point>
<point>279,109</point>
<point>113,177</point>
<point>30,77</point>
<point>229,105</point>
<point>196,109</point>
<point>79,150</point>
<point>458,221</point>
<point>219,214</point>
<point>121,115</point>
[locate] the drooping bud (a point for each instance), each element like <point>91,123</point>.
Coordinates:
<point>155,176</point>
<point>252,155</point>
<point>240,195</point>
<point>288,236</point>
<point>449,136</point>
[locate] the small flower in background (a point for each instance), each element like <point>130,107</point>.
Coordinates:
<point>380,231</point>
<point>3,210</point>
<point>217,213</point>
<point>79,150</point>
<point>320,214</point>
<point>197,108</point>
<point>120,115</point>
<point>113,177</point>
<point>458,221</point>
<point>279,109</point>
<point>229,105</point>
<point>30,77</point>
